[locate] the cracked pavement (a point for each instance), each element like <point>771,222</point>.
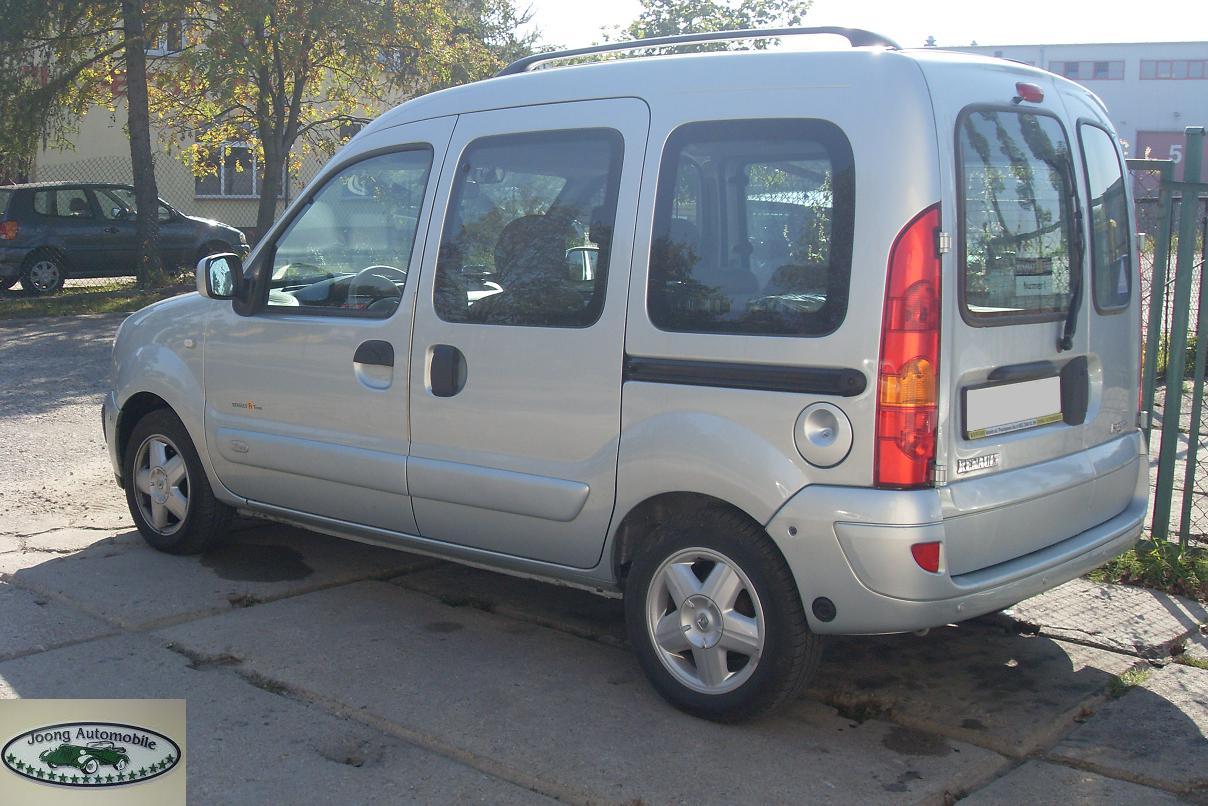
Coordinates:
<point>370,676</point>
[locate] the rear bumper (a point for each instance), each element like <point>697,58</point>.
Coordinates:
<point>852,546</point>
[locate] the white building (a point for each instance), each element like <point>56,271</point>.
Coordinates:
<point>1153,90</point>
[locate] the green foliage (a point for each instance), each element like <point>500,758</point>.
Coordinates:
<point>119,296</point>
<point>1164,357</point>
<point>1120,685</point>
<point>671,17</point>
<point>1160,566</point>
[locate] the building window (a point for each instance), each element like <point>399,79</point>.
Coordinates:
<point>1089,70</point>
<point>1174,69</point>
<point>232,170</point>
<point>169,40</point>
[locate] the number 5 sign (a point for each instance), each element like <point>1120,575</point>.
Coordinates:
<point>1165,146</point>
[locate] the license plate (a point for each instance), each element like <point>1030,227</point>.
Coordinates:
<point>1003,408</point>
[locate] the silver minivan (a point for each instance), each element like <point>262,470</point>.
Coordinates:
<point>775,343</point>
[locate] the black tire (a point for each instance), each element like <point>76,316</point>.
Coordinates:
<point>43,272</point>
<point>91,766</point>
<point>790,652</point>
<point>205,518</point>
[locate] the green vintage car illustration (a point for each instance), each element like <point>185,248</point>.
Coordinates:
<point>89,758</point>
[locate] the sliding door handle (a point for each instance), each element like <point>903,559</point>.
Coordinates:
<point>446,370</point>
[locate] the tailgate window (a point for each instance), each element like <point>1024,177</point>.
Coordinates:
<point>1111,264</point>
<point>5,196</point>
<point>1016,216</point>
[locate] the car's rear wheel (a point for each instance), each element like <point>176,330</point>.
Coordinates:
<point>91,766</point>
<point>42,273</point>
<point>715,618</point>
<point>120,765</point>
<point>167,490</point>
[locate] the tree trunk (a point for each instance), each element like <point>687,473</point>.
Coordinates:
<point>271,183</point>
<point>150,267</point>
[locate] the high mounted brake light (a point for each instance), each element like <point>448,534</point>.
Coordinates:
<point>910,346</point>
<point>1028,92</point>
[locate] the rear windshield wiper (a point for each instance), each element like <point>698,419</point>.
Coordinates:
<point>1066,341</point>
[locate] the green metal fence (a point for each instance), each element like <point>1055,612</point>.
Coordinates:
<point>1172,219</point>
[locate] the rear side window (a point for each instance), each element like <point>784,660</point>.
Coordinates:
<point>753,229</point>
<point>1111,260</point>
<point>63,203</point>
<point>1016,215</point>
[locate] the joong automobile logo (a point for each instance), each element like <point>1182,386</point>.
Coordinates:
<point>90,754</point>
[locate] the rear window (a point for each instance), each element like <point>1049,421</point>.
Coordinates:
<point>753,229</point>
<point>1016,192</point>
<point>5,197</point>
<point>1111,260</point>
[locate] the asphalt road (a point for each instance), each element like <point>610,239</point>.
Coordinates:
<point>318,670</point>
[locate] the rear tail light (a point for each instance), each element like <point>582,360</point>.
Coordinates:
<point>927,556</point>
<point>9,230</point>
<point>910,346</point>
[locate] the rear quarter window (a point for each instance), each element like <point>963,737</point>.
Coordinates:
<point>1111,257</point>
<point>1016,217</point>
<point>753,229</point>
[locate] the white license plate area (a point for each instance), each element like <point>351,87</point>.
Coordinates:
<point>1001,409</point>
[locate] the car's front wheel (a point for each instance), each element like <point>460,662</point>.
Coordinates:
<point>167,490</point>
<point>120,765</point>
<point>42,273</point>
<point>715,618</point>
<point>91,766</point>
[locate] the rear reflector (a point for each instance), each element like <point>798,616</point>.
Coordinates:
<point>927,555</point>
<point>910,347</point>
<point>8,230</point>
<point>1028,92</point>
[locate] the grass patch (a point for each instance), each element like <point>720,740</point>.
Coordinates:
<point>1120,684</point>
<point>1187,660</point>
<point>121,296</point>
<point>1159,566</point>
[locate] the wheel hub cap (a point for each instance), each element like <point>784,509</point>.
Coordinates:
<point>702,622</point>
<point>159,485</point>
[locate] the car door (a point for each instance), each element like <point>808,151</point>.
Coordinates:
<point>73,224</point>
<point>516,360</point>
<point>306,401</point>
<point>117,243</point>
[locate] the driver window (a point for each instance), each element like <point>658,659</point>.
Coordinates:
<point>348,250</point>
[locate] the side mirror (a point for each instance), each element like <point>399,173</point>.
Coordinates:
<point>219,276</point>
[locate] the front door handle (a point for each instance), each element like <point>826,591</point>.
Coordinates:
<point>446,370</point>
<point>111,230</point>
<point>378,353</point>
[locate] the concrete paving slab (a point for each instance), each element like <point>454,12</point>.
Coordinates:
<point>1007,692</point>
<point>1041,784</point>
<point>1154,734</point>
<point>577,714</point>
<point>1195,648</point>
<point>69,541</point>
<point>134,586</point>
<point>571,610</point>
<point>31,623</point>
<point>1121,618</point>
<point>247,745</point>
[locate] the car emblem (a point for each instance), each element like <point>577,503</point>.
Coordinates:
<point>90,754</point>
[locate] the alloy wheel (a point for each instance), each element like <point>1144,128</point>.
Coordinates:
<point>705,620</point>
<point>45,275</point>
<point>161,484</point>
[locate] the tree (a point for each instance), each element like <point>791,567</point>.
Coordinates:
<point>58,58</point>
<point>671,17</point>
<point>291,77</point>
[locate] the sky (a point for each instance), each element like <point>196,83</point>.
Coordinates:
<point>575,23</point>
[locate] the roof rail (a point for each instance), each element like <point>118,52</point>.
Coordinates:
<point>858,37</point>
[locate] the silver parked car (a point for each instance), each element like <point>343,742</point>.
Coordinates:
<point>855,350</point>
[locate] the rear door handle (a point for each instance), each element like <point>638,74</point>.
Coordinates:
<point>110,229</point>
<point>379,353</point>
<point>447,370</point>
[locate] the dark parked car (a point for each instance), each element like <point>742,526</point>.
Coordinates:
<point>51,231</point>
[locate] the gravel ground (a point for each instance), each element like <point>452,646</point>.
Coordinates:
<point>53,461</point>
